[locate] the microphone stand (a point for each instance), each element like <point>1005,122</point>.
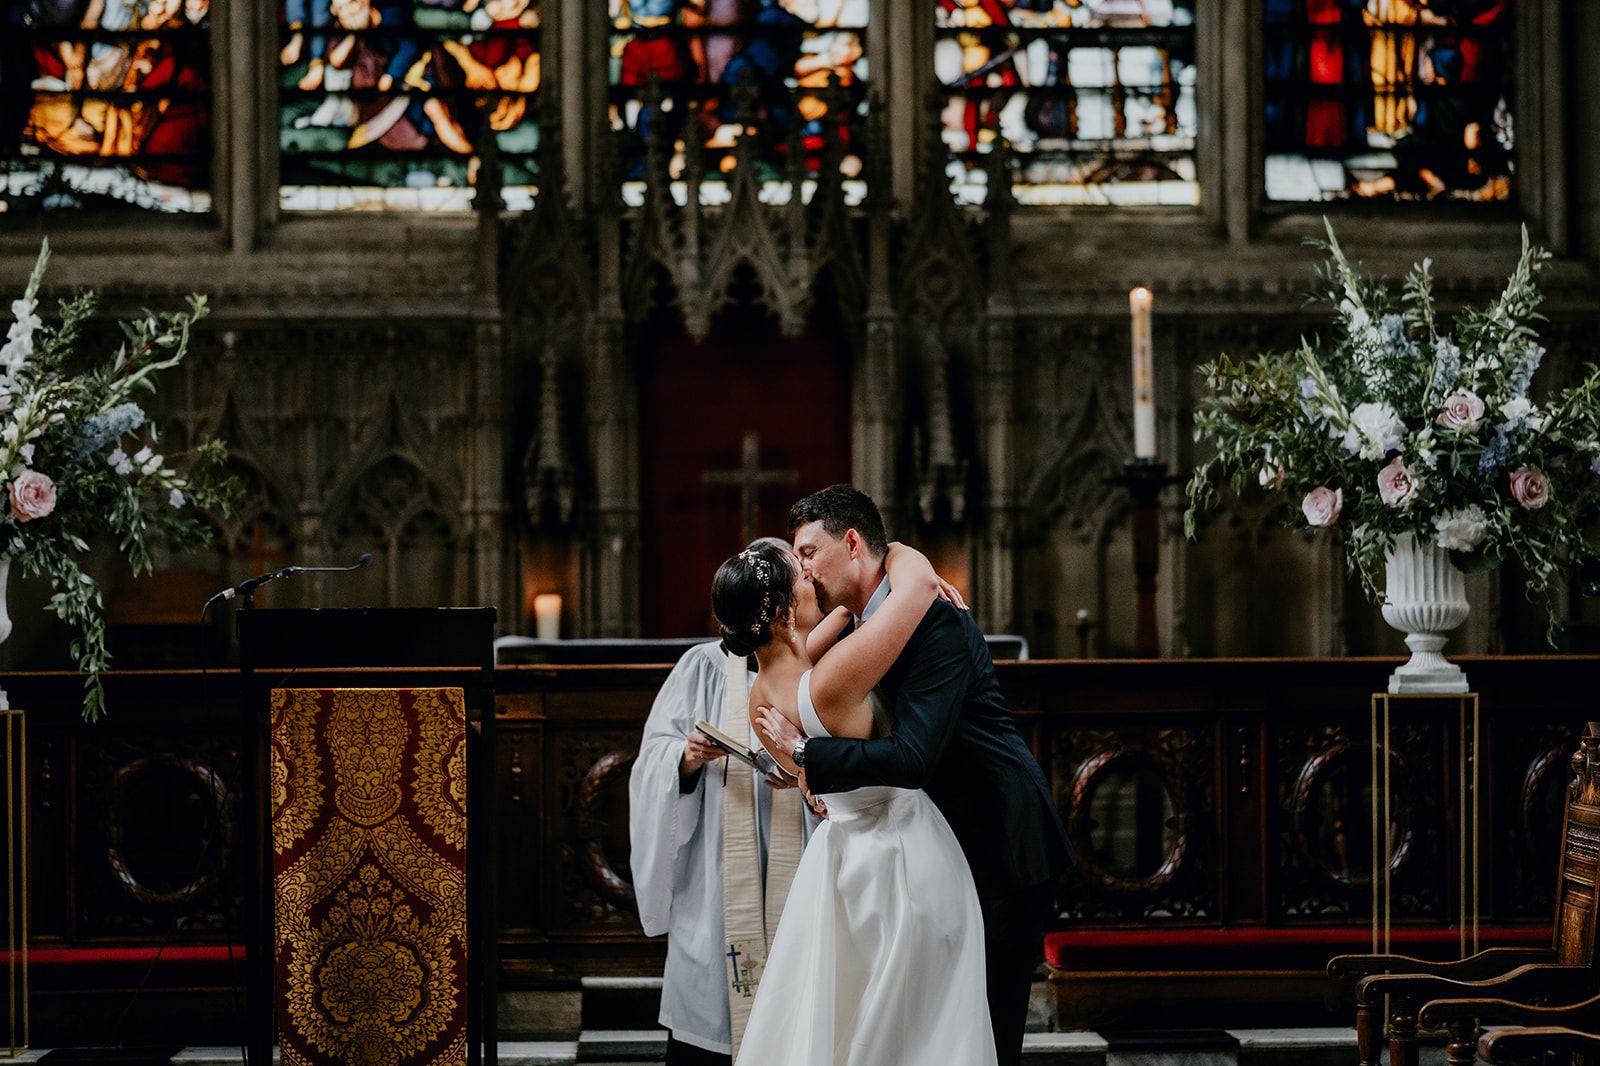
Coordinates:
<point>246,589</point>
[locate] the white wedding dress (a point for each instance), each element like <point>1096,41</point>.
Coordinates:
<point>878,959</point>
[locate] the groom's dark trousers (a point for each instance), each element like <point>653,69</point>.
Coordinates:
<point>955,737</point>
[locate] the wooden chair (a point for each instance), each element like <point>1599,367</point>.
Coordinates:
<point>1531,1043</point>
<point>1535,1030</point>
<point>1562,973</point>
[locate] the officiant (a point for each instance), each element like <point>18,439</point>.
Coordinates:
<point>715,845</point>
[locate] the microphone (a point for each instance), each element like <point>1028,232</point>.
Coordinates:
<point>250,584</point>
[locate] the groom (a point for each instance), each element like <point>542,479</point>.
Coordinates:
<point>953,736</point>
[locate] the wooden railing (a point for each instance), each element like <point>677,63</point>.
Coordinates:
<point>1203,794</point>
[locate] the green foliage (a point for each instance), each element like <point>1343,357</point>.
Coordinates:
<point>1402,423</point>
<point>78,460</point>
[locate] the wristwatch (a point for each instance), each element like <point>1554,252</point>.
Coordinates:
<point>799,753</point>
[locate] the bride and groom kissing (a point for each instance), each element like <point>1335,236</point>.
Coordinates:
<point>913,921</point>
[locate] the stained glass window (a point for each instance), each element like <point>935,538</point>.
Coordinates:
<point>384,102</point>
<point>1096,97</point>
<point>1388,99</point>
<point>105,104</point>
<point>804,62</point>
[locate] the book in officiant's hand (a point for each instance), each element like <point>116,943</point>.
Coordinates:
<point>757,760</point>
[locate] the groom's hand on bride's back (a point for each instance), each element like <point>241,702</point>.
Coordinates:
<point>814,802</point>
<point>777,733</point>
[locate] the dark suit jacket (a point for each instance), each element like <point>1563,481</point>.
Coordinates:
<point>955,737</point>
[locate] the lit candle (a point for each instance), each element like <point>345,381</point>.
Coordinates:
<point>547,616</point>
<point>1144,395</point>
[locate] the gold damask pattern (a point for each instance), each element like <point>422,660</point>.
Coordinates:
<point>370,887</point>
<point>440,781</point>
<point>294,744</point>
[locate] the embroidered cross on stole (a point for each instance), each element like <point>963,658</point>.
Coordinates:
<point>750,917</point>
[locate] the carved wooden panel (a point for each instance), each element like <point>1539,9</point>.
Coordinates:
<point>1324,819</point>
<point>157,824</point>
<point>586,792</point>
<point>1162,863</point>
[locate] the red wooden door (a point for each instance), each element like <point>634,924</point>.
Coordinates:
<point>697,401</point>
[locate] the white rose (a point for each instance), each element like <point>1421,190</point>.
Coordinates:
<point>1516,410</point>
<point>1461,530</point>
<point>1375,429</point>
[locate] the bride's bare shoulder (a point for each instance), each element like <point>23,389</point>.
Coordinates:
<point>783,698</point>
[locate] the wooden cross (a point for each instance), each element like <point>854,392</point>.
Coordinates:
<point>750,479</point>
<point>258,554</point>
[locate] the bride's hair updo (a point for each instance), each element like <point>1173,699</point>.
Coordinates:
<point>750,591</point>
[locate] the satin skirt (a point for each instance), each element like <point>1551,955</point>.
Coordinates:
<point>878,959</point>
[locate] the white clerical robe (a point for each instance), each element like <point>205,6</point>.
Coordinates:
<point>677,849</point>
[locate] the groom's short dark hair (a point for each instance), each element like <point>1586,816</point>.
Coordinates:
<point>840,508</point>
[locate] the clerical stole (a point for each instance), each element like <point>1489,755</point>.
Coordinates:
<point>369,838</point>
<point>751,916</point>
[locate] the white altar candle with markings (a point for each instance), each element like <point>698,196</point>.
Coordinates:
<point>547,616</point>
<point>1144,395</point>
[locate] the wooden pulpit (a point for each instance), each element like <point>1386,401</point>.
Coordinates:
<point>367,740</point>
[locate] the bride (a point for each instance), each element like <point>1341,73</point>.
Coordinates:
<point>878,959</point>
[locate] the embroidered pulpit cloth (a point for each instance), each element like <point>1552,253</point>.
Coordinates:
<point>369,837</point>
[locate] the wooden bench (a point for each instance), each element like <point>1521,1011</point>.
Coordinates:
<point>1100,976</point>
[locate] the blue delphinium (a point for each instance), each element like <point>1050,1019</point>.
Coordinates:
<point>101,430</point>
<point>1446,369</point>
<point>1496,453</point>
<point>1522,375</point>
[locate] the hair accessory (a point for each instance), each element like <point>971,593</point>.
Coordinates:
<point>763,568</point>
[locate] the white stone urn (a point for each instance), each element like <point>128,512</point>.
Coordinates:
<point>1426,598</point>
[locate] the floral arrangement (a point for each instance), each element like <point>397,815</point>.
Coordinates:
<point>78,458</point>
<point>1407,424</point>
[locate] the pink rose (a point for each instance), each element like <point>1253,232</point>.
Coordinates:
<point>1322,505</point>
<point>1461,411</point>
<point>1529,487</point>
<point>1397,485</point>
<point>33,495</point>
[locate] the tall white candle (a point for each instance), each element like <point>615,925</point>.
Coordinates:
<point>1144,393</point>
<point>547,616</point>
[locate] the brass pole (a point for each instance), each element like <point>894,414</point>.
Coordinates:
<point>1461,833</point>
<point>1375,836</point>
<point>1388,831</point>
<point>22,806</point>
<point>1477,813</point>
